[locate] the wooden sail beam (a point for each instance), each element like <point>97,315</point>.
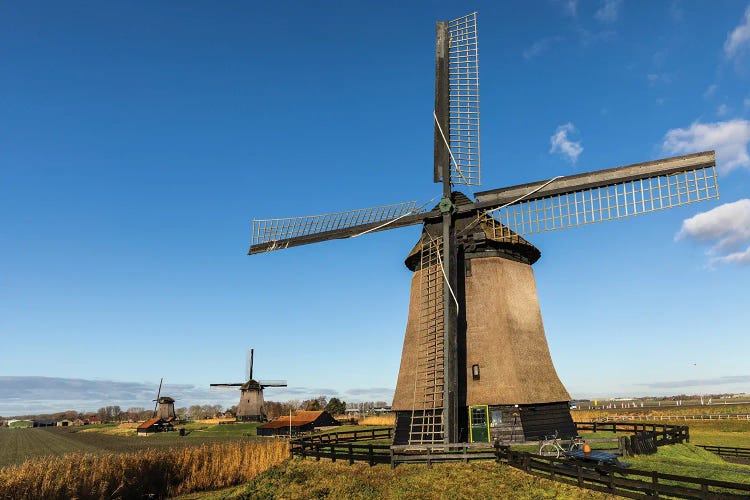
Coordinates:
<point>599,178</point>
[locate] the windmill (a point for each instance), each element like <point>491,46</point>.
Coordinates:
<point>475,364</point>
<point>163,405</point>
<point>250,407</point>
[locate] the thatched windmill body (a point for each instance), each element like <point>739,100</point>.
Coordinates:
<point>250,407</point>
<point>163,405</point>
<point>475,363</point>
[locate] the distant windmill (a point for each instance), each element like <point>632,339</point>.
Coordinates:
<point>475,364</point>
<point>163,405</point>
<point>250,408</point>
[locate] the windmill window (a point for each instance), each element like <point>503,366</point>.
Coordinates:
<point>475,372</point>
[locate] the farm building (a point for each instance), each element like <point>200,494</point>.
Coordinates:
<point>302,421</point>
<point>44,423</point>
<point>155,424</point>
<point>20,424</point>
<point>64,423</point>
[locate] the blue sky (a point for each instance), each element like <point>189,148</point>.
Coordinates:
<point>139,139</point>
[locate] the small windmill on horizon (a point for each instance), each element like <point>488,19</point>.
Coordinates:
<point>475,364</point>
<point>163,405</point>
<point>250,407</point>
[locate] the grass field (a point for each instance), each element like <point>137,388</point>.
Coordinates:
<point>17,445</point>
<point>298,479</point>
<point>143,474</point>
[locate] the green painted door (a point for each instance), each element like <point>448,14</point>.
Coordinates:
<point>479,424</point>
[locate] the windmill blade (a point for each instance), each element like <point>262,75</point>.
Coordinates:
<point>227,385</point>
<point>457,96</point>
<point>249,365</point>
<point>601,195</point>
<point>272,383</point>
<point>158,394</point>
<point>275,234</point>
<point>427,419</point>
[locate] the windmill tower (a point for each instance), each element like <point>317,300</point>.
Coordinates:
<point>163,405</point>
<point>250,407</point>
<point>475,364</point>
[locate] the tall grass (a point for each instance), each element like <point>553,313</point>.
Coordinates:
<point>379,420</point>
<point>158,473</point>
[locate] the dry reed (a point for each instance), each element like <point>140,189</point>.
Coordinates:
<point>379,420</point>
<point>154,473</point>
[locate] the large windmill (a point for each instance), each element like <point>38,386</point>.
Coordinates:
<point>250,407</point>
<point>475,363</point>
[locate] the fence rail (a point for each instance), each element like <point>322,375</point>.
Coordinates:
<point>727,451</point>
<point>684,418</point>
<point>663,434</point>
<point>619,481</point>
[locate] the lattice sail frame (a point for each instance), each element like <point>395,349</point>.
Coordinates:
<point>426,426</point>
<point>599,204</point>
<point>270,230</point>
<point>464,100</point>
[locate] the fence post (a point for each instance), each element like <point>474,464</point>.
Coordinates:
<point>351,454</point>
<point>429,457</point>
<point>579,474</point>
<point>333,453</point>
<point>594,426</point>
<point>317,452</point>
<point>371,456</point>
<point>655,482</point>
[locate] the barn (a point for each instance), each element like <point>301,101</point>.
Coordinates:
<point>301,421</point>
<point>152,425</point>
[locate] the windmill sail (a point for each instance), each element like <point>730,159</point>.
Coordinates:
<point>275,234</point>
<point>602,195</point>
<point>457,49</point>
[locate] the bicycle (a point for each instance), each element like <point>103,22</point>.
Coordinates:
<point>550,446</point>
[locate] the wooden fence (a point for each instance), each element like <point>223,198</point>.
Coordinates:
<point>727,451</point>
<point>629,483</point>
<point>343,446</point>
<point>663,434</point>
<point>626,482</point>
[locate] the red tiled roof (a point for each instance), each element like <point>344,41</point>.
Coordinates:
<point>148,423</point>
<point>300,418</point>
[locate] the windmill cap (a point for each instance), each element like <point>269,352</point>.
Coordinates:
<point>479,235</point>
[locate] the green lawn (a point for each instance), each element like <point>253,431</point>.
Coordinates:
<point>689,460</point>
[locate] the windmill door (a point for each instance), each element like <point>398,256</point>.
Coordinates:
<point>479,424</point>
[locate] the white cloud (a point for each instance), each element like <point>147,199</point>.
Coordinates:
<point>540,46</point>
<point>609,11</point>
<point>741,258</point>
<point>560,143</point>
<point>729,138</point>
<point>746,103</point>
<point>725,227</point>
<point>739,39</point>
<point>710,91</point>
<point>722,110</point>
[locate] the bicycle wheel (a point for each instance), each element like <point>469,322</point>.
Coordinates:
<point>549,450</point>
<point>576,443</point>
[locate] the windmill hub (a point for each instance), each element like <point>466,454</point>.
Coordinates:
<point>446,206</point>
